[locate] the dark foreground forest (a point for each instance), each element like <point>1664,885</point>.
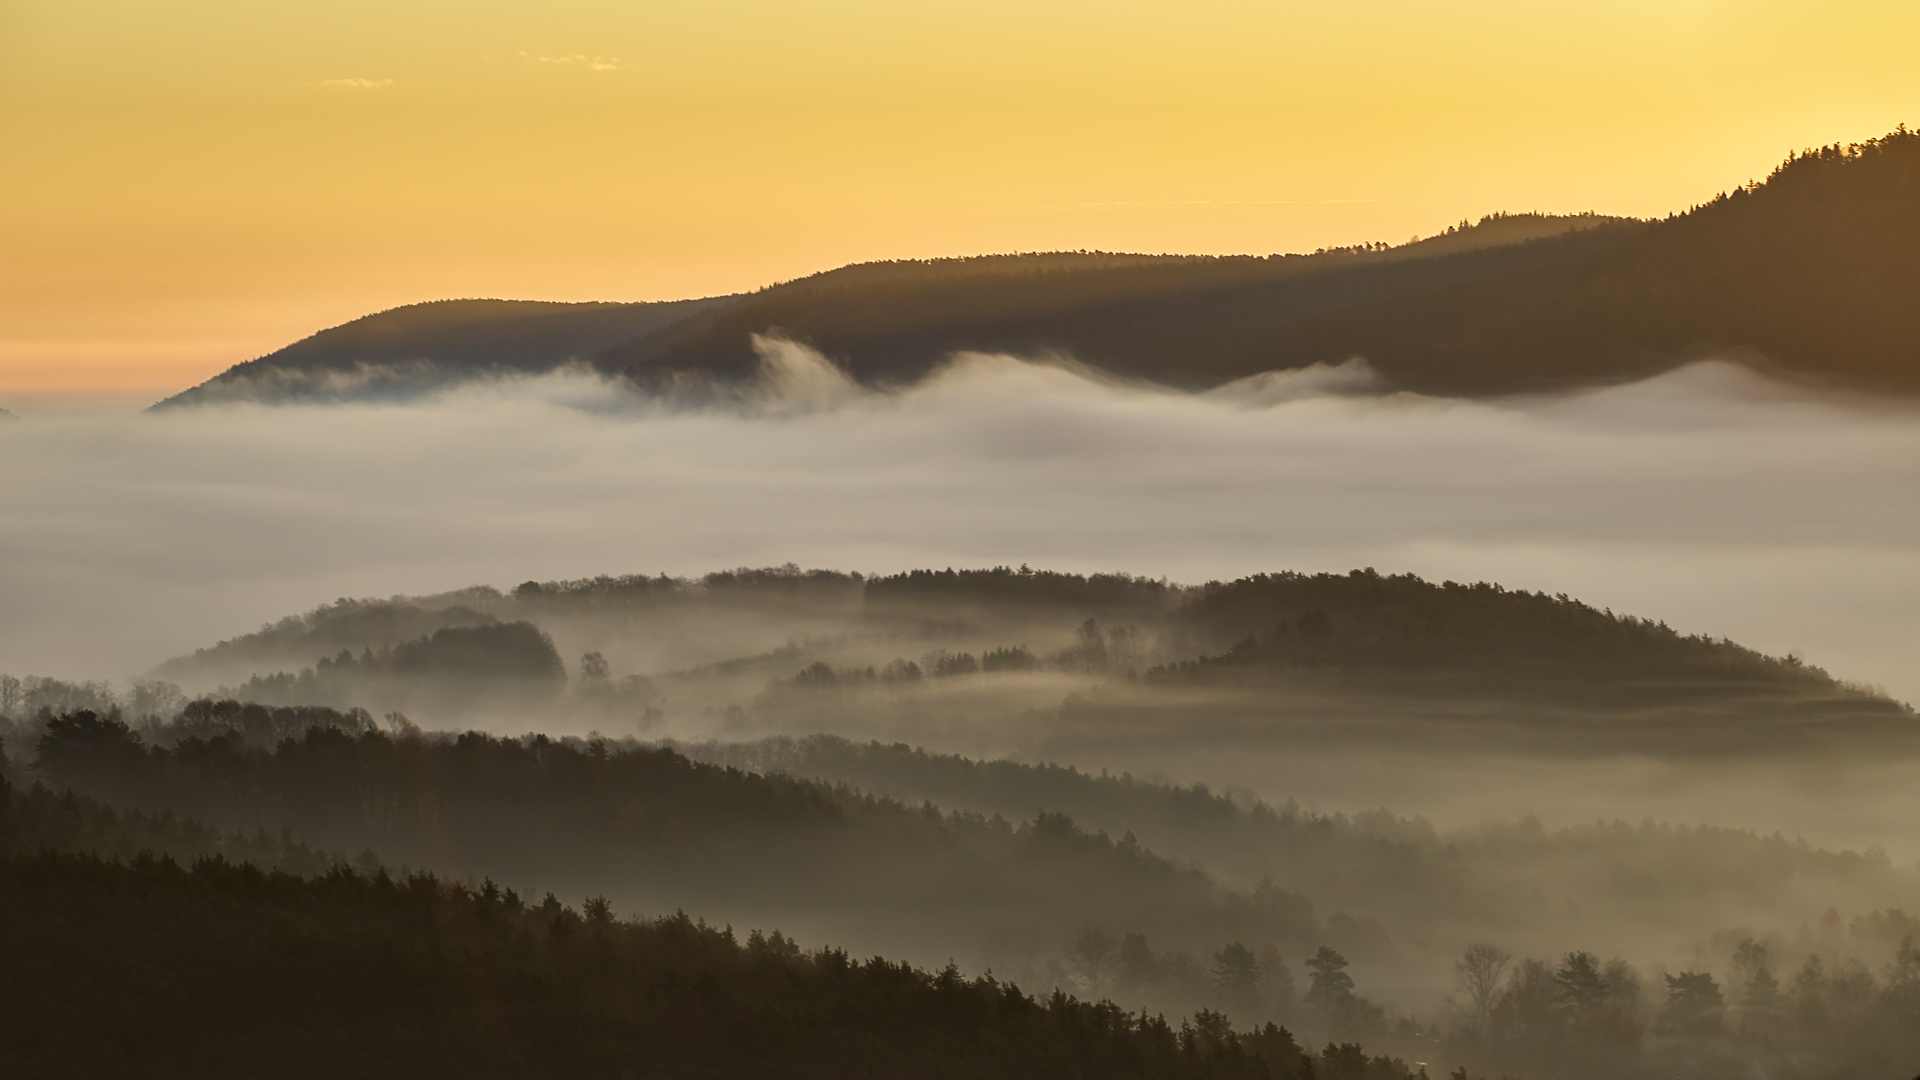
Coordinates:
<point>120,962</point>
<point>151,969</point>
<point>140,941</point>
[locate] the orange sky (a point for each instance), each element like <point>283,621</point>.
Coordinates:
<point>191,184</point>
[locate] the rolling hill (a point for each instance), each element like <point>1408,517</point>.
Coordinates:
<point>408,350</point>
<point>1809,274</point>
<point>798,650</point>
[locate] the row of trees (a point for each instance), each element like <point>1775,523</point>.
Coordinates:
<point>21,698</point>
<point>1580,1016</point>
<point>1252,984</point>
<point>1586,1017</point>
<point>1094,649</point>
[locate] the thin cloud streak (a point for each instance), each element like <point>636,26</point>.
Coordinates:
<point>577,60</point>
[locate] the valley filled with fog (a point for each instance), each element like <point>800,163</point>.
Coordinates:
<point>1081,681</point>
<point>1710,498</point>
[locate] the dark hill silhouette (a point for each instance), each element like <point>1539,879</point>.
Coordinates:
<point>1810,274</point>
<point>405,350</point>
<point>1814,270</point>
<point>1188,321</point>
<point>891,322</point>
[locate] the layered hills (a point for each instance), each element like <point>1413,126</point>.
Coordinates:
<point>1809,273</point>
<point>91,891</point>
<point>787,649</point>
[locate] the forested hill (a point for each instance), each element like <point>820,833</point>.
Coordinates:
<point>264,957</point>
<point>1811,273</point>
<point>150,969</point>
<point>1814,270</point>
<point>653,829</point>
<point>1188,321</point>
<point>1358,622</point>
<point>1509,879</point>
<point>891,321</point>
<point>1385,622</point>
<point>400,352</point>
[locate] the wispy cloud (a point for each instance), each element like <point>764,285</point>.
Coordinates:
<point>1131,203</point>
<point>358,84</point>
<point>577,60</point>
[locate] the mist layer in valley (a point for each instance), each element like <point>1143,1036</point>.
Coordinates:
<point>1711,500</point>
<point>1673,734</point>
<point>1262,911</point>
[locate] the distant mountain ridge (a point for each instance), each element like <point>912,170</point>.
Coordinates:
<point>1811,274</point>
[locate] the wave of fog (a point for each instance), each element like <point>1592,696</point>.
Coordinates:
<point>1709,497</point>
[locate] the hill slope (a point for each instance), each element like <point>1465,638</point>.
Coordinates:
<point>1190,321</point>
<point>265,957</point>
<point>795,651</point>
<point>407,350</point>
<point>652,829</point>
<point>1813,269</point>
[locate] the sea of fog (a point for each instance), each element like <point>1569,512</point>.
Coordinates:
<point>1710,497</point>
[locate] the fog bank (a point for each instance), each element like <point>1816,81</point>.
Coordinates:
<point>1710,498</point>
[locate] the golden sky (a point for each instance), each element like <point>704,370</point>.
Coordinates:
<point>190,183</point>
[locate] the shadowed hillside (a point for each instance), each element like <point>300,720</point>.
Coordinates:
<point>1814,270</point>
<point>653,830</point>
<point>1811,272</point>
<point>401,352</point>
<point>264,957</point>
<point>1190,321</point>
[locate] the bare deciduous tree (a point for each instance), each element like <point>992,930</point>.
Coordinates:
<point>1476,975</point>
<point>1095,955</point>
